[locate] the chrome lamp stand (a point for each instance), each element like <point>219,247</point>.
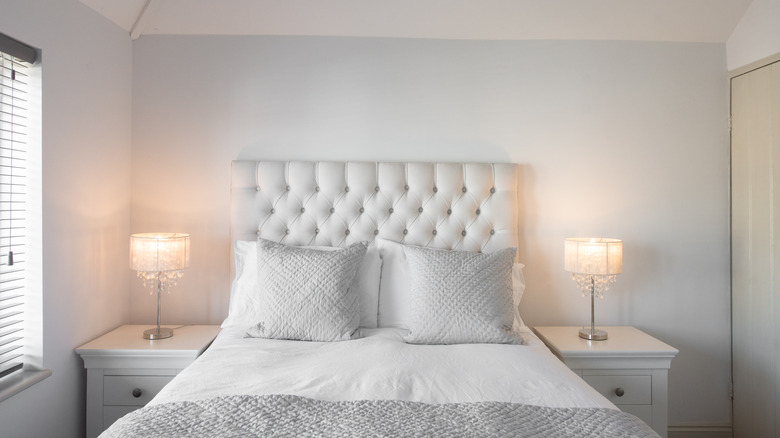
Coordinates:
<point>158,333</point>
<point>592,333</point>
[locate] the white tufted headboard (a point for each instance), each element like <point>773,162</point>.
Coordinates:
<point>462,206</point>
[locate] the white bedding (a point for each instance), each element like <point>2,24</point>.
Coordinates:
<point>380,365</point>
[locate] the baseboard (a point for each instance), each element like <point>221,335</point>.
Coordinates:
<point>700,431</point>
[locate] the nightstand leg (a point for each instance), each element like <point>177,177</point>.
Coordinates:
<point>94,402</point>
<point>661,402</point>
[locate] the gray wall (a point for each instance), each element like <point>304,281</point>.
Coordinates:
<point>86,81</point>
<point>616,139</point>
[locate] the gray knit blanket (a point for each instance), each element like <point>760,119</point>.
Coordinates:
<point>293,416</point>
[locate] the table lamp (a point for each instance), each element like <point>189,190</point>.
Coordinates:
<point>159,259</point>
<point>594,263</point>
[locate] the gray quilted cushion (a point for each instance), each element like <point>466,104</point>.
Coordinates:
<point>305,294</point>
<point>460,297</point>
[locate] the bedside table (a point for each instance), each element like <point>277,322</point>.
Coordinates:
<point>125,371</point>
<point>630,368</point>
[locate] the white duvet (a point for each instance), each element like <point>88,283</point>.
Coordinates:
<point>380,365</point>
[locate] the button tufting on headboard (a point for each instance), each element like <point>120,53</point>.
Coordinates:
<point>463,206</point>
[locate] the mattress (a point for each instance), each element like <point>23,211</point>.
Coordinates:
<point>381,366</point>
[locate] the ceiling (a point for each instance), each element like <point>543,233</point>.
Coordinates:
<point>632,20</point>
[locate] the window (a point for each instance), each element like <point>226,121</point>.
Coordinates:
<point>19,133</point>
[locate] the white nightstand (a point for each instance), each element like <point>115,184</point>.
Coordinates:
<point>124,370</point>
<point>630,368</point>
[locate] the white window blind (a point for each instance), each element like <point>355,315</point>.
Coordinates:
<point>13,157</point>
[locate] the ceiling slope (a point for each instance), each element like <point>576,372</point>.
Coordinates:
<point>632,20</point>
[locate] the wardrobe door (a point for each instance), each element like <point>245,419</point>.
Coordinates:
<point>755,268</point>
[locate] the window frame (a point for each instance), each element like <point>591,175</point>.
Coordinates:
<point>32,370</point>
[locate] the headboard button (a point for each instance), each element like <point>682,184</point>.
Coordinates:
<point>391,210</point>
<point>303,210</point>
<point>257,188</point>
<point>317,189</point>
<point>420,209</point>
<point>492,232</point>
<point>434,232</point>
<point>346,189</point>
<point>346,232</point>
<point>449,211</point>
<point>463,233</point>
<point>376,232</point>
<point>273,210</point>
<point>376,189</point>
<point>435,189</point>
<point>287,188</point>
<point>479,211</point>
<point>287,231</point>
<point>332,210</point>
<point>362,210</point>
<point>406,187</point>
<point>406,231</point>
<point>316,231</point>
<point>464,189</point>
<point>492,190</point>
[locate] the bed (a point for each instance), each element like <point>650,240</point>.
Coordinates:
<point>376,299</point>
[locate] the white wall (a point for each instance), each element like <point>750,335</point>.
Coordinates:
<point>757,34</point>
<point>616,139</point>
<point>86,74</point>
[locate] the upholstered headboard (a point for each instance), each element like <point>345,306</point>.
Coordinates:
<point>462,206</point>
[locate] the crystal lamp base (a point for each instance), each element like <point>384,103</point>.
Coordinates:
<point>593,334</point>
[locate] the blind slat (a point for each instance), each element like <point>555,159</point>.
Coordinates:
<point>10,306</point>
<point>10,332</point>
<point>9,280</point>
<point>9,349</point>
<point>10,288</point>
<point>4,317</point>
<point>12,271</point>
<point>10,368</point>
<point>9,358</point>
<point>4,324</point>
<point>9,340</point>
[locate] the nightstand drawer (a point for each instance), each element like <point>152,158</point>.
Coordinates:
<point>637,390</point>
<point>118,390</point>
<point>113,413</point>
<point>643,412</point>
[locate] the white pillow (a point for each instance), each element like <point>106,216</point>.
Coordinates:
<point>245,284</point>
<point>395,292</point>
<point>518,287</point>
<point>305,294</point>
<point>460,297</point>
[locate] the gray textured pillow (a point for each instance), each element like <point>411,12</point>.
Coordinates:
<point>305,294</point>
<point>460,297</point>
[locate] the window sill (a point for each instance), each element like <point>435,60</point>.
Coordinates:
<point>18,382</point>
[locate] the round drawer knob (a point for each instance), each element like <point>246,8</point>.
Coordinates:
<point>619,392</point>
<point>137,392</point>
